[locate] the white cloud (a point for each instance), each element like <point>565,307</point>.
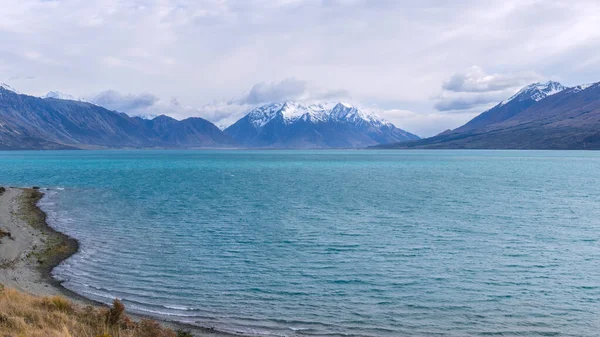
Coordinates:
<point>131,103</point>
<point>474,79</point>
<point>223,112</point>
<point>475,89</point>
<point>289,89</point>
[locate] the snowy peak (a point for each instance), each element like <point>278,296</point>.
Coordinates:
<point>51,94</point>
<point>583,87</point>
<point>8,87</point>
<point>348,113</point>
<point>263,114</point>
<point>536,91</point>
<point>63,96</point>
<point>523,100</point>
<point>291,112</point>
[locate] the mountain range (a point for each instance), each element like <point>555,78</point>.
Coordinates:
<point>28,122</point>
<point>540,116</point>
<point>59,121</point>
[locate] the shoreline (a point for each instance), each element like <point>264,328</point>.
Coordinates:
<point>30,249</point>
<point>33,248</point>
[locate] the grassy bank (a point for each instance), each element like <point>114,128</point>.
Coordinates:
<point>24,315</point>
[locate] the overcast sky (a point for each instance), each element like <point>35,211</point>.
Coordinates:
<point>425,65</point>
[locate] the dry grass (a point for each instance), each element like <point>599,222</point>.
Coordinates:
<point>23,315</point>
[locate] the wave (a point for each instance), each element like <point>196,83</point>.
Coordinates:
<point>180,307</point>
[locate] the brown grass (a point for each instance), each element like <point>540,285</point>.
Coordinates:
<point>24,315</point>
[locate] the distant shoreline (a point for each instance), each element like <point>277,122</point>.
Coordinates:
<point>390,146</point>
<point>31,249</point>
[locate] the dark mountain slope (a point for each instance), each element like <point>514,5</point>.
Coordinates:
<point>190,132</point>
<point>519,102</point>
<point>34,123</point>
<point>569,119</point>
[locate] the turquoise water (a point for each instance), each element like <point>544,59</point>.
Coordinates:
<point>337,243</point>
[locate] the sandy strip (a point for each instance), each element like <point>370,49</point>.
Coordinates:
<point>30,249</point>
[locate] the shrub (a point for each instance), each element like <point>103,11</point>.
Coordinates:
<point>114,314</point>
<point>56,303</point>
<point>149,328</point>
<point>182,333</point>
<point>62,304</point>
<point>126,323</point>
<point>30,316</point>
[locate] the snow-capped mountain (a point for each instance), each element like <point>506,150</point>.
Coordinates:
<point>295,125</point>
<point>520,101</point>
<point>540,116</point>
<point>62,95</point>
<point>581,87</point>
<point>536,92</point>
<point>290,112</point>
<point>343,112</point>
<point>8,87</point>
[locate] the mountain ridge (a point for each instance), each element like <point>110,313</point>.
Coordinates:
<point>29,122</point>
<point>61,121</point>
<point>560,118</point>
<point>520,101</point>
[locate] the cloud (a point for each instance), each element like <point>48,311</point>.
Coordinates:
<point>474,79</point>
<point>221,112</point>
<point>114,100</point>
<point>288,89</point>
<point>206,52</point>
<point>268,92</point>
<point>459,102</point>
<point>475,89</point>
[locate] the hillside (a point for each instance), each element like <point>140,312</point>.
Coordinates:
<point>28,122</point>
<point>567,118</point>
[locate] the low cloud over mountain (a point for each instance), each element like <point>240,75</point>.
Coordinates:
<point>474,88</point>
